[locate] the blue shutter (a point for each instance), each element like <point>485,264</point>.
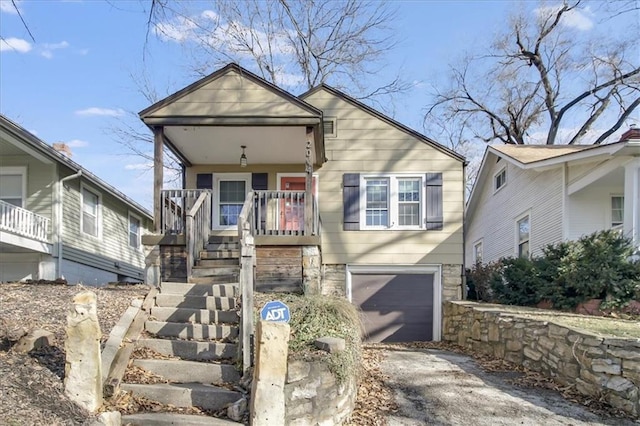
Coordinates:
<point>434,202</point>
<point>204,181</point>
<point>351,201</point>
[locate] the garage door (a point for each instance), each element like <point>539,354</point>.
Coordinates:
<point>395,307</point>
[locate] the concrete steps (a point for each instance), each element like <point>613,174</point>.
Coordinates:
<point>201,316</point>
<point>190,371</point>
<point>195,323</point>
<point>191,331</point>
<point>172,419</point>
<point>186,394</point>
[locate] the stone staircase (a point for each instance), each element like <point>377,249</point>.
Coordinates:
<point>196,324</point>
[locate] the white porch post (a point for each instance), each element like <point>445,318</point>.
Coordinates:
<point>631,225</point>
<point>158,178</point>
<point>308,196</point>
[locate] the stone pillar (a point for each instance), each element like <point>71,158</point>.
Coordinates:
<point>83,375</point>
<point>311,269</point>
<point>152,265</point>
<point>267,402</point>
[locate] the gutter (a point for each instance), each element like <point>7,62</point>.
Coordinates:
<point>59,224</point>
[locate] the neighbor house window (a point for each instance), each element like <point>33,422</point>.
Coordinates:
<point>134,231</point>
<point>617,211</point>
<point>524,235</point>
<point>477,252</point>
<point>394,201</point>
<point>232,195</point>
<point>12,185</point>
<point>90,212</point>
<point>500,179</point>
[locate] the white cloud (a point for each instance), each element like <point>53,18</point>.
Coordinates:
<point>107,112</point>
<point>48,48</point>
<point>15,44</point>
<point>77,143</point>
<point>7,6</point>
<point>579,19</point>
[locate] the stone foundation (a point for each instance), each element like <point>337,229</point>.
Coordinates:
<point>597,366</point>
<point>311,276</point>
<point>313,396</point>
<point>334,280</point>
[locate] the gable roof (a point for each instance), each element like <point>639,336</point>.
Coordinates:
<point>232,67</point>
<point>48,152</point>
<point>542,156</point>
<point>384,118</point>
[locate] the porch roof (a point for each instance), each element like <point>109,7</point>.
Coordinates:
<point>208,121</point>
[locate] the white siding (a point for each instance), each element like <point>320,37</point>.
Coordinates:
<point>589,210</point>
<point>494,218</point>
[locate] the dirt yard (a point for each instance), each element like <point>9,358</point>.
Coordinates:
<point>423,383</point>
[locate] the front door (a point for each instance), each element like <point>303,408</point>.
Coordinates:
<point>230,193</point>
<point>292,207</point>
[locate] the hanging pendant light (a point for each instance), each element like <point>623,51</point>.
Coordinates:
<point>243,157</point>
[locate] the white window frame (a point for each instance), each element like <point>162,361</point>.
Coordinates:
<point>495,177</point>
<point>333,120</point>
<point>610,212</point>
<point>217,178</point>
<point>517,235</point>
<point>477,244</point>
<point>393,200</point>
<point>139,235</point>
<point>90,189</point>
<point>18,170</point>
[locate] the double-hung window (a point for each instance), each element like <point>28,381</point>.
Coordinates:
<point>617,211</point>
<point>12,185</point>
<point>500,179</point>
<point>134,231</point>
<point>392,202</point>
<point>523,230</point>
<point>477,252</point>
<point>90,212</point>
<point>232,195</point>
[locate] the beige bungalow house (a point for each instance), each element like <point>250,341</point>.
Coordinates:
<point>336,197</point>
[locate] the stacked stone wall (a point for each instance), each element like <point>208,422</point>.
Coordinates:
<point>314,397</point>
<point>595,365</point>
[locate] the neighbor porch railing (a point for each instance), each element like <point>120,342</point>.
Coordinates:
<point>23,222</point>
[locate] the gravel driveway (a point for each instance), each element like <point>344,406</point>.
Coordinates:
<point>435,387</point>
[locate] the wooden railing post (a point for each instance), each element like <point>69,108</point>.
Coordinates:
<point>247,263</point>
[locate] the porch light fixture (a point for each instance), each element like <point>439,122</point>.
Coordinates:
<point>243,157</point>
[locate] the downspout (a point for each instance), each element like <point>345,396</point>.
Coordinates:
<point>59,225</point>
<point>463,275</point>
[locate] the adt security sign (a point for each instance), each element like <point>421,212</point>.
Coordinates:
<point>275,311</point>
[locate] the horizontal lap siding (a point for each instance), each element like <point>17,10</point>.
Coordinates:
<point>231,95</point>
<point>113,242</point>
<point>365,144</point>
<point>494,218</point>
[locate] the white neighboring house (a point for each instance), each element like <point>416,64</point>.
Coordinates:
<point>529,196</point>
<point>58,219</point>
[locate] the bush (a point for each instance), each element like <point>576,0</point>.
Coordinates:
<point>518,283</point>
<point>479,280</point>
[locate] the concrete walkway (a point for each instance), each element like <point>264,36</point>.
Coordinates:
<point>434,387</point>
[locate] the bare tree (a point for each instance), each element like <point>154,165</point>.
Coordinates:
<point>295,44</point>
<point>543,76</point>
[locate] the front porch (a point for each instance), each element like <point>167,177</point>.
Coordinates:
<point>22,230</point>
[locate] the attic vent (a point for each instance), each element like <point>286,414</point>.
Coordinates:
<point>329,124</point>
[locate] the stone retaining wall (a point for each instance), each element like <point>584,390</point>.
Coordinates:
<point>598,366</point>
<point>313,396</point>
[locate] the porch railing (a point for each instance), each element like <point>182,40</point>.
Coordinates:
<point>197,227</point>
<point>246,231</point>
<point>23,222</point>
<point>175,203</point>
<point>282,213</point>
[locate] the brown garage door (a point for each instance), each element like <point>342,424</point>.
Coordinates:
<point>395,307</point>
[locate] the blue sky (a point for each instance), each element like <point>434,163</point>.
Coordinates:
<point>74,83</point>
